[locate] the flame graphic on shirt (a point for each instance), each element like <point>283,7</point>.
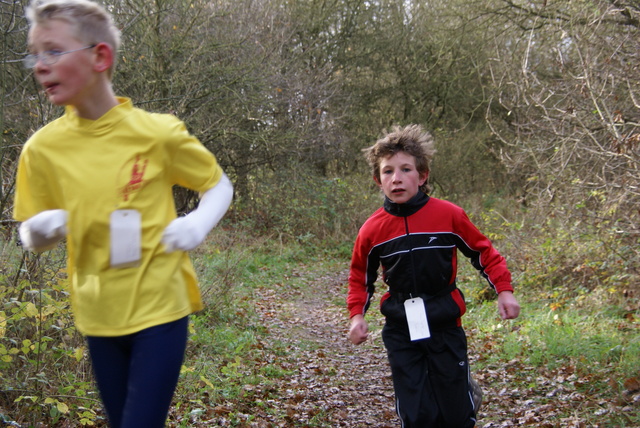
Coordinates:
<point>137,177</point>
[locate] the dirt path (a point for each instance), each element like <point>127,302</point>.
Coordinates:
<point>336,384</point>
<point>333,382</point>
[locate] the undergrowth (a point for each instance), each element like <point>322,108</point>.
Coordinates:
<point>578,286</point>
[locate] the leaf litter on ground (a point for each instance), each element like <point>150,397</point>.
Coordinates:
<point>330,382</point>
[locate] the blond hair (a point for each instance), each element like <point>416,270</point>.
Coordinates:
<point>412,140</point>
<point>89,21</point>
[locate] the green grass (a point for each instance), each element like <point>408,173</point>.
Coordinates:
<point>547,335</point>
<point>565,346</point>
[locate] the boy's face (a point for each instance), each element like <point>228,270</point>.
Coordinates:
<point>399,178</point>
<point>67,81</point>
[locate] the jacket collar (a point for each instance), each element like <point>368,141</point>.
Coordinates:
<point>410,207</point>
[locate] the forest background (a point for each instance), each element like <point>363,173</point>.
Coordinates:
<point>535,109</point>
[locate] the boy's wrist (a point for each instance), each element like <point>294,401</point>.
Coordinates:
<point>500,288</point>
<point>356,311</point>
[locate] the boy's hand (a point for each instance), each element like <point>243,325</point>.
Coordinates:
<point>182,234</point>
<point>186,233</point>
<point>43,231</point>
<point>508,305</point>
<point>359,331</point>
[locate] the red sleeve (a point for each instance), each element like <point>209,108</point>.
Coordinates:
<point>362,275</point>
<point>483,255</point>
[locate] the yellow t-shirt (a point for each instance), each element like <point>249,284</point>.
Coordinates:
<point>127,159</point>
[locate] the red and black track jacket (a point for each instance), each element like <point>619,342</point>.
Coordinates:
<point>416,245</point>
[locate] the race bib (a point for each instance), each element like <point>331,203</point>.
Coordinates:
<point>417,318</point>
<point>126,230</point>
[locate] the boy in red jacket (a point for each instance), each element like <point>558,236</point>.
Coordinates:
<point>415,239</point>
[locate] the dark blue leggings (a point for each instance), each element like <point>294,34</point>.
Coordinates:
<point>137,374</point>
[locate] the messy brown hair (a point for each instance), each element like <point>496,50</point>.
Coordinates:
<point>412,140</point>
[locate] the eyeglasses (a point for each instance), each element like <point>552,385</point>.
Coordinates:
<point>48,57</point>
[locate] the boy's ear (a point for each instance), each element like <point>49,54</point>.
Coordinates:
<point>423,178</point>
<point>377,180</point>
<point>104,57</point>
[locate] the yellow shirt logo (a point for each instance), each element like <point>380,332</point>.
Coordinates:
<point>137,177</point>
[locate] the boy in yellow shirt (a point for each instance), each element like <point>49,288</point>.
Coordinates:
<point>101,176</point>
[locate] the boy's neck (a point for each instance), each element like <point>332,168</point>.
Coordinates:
<point>98,103</point>
<point>407,208</point>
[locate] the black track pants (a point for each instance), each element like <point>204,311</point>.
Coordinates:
<point>430,378</point>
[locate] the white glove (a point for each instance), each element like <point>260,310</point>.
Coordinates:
<point>186,233</point>
<point>43,231</point>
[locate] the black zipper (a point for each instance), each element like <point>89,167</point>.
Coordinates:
<point>413,264</point>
